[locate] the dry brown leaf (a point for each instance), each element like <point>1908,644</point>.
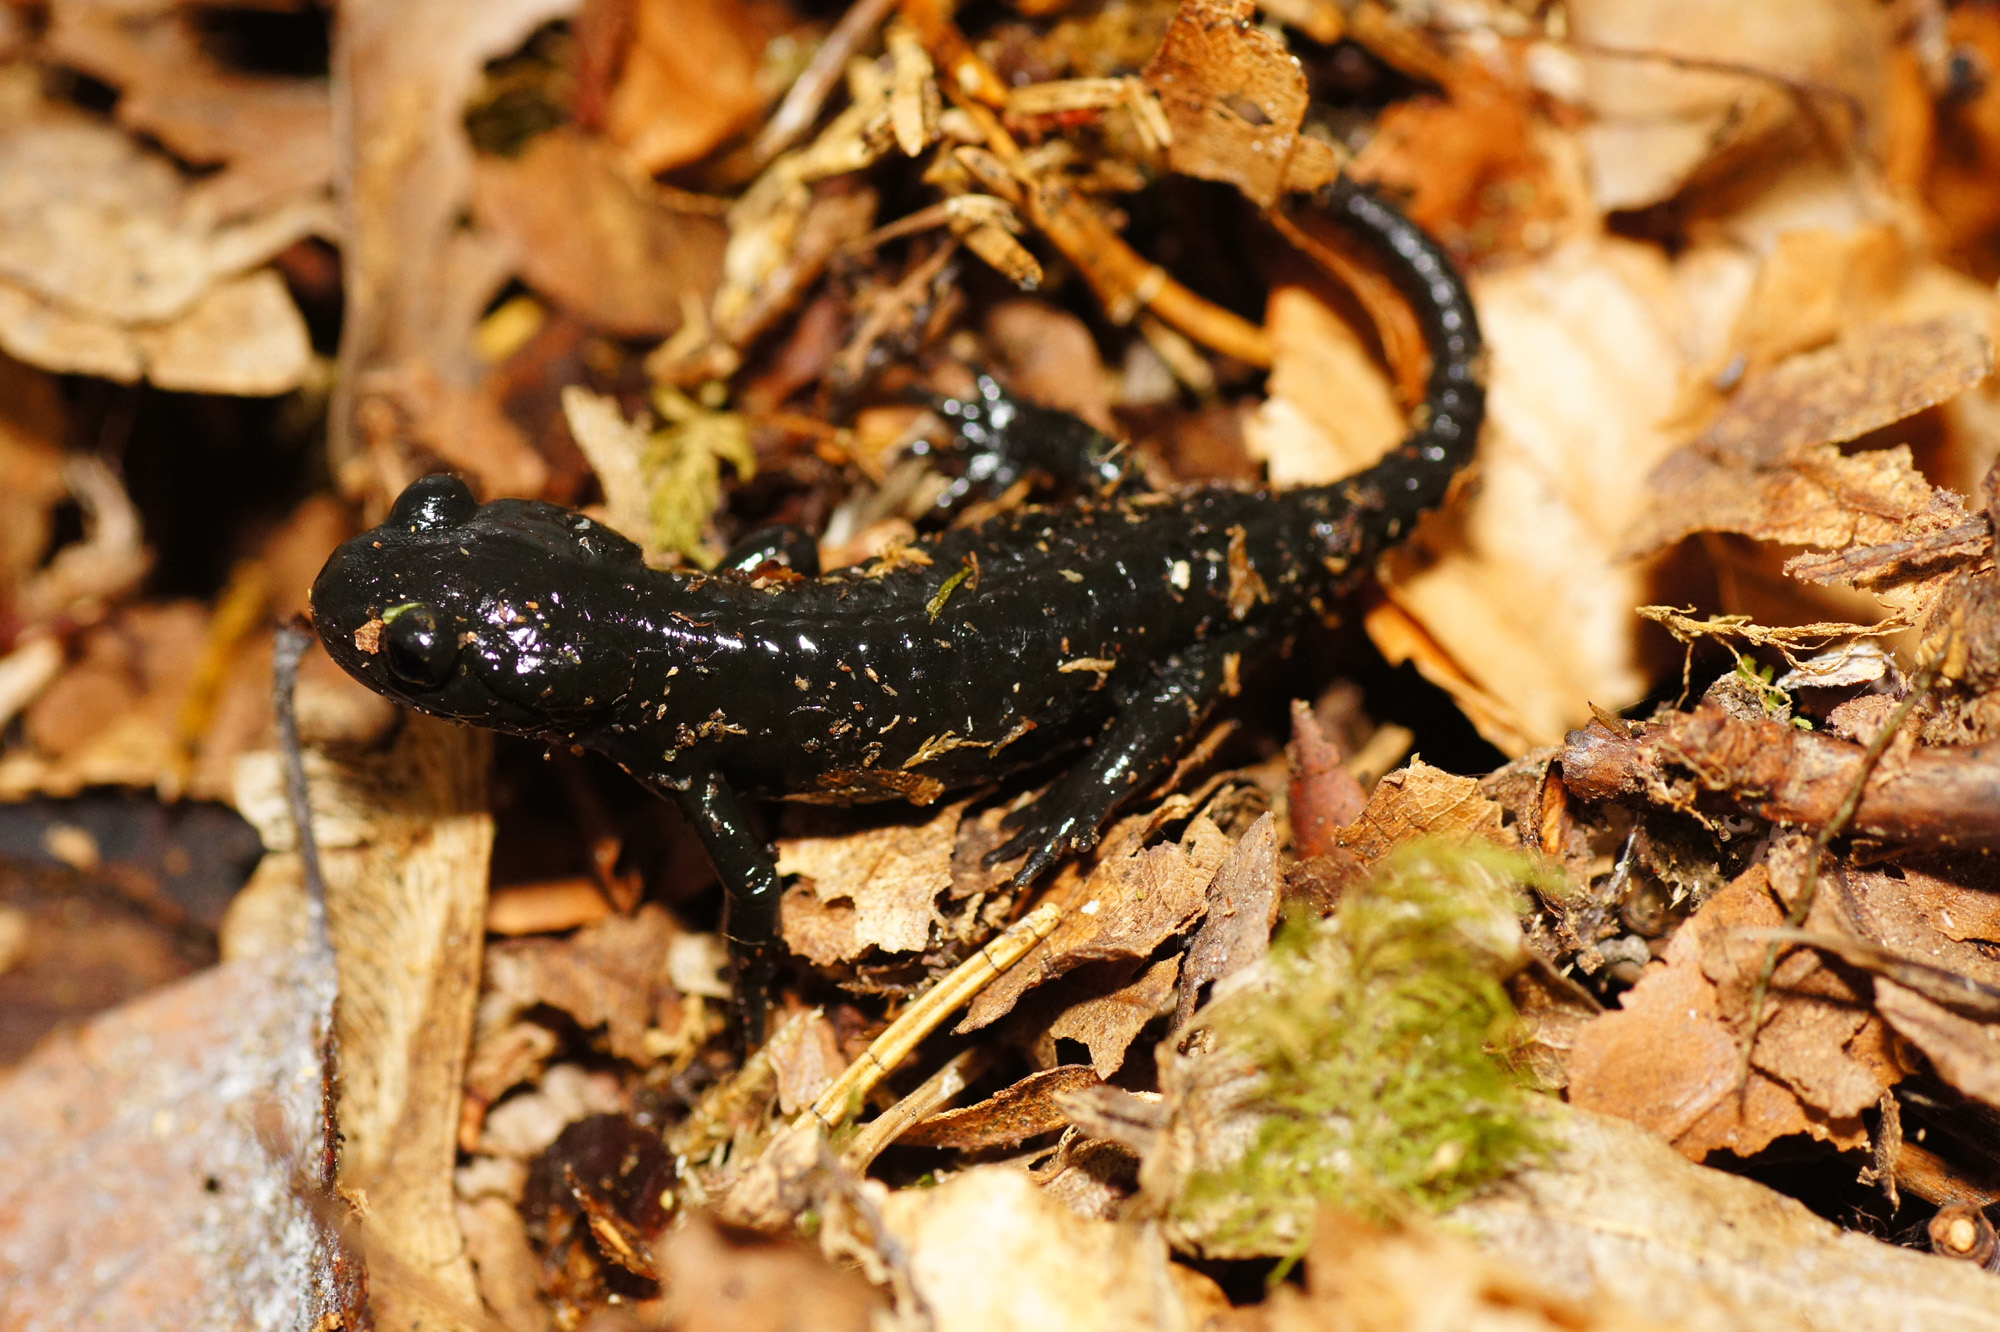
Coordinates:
<point>1128,906</point>
<point>1768,466</point>
<point>1107,1024</point>
<point>989,1252</point>
<point>273,134</point>
<point>1234,99</point>
<point>1615,1212</point>
<point>720,1279</point>
<point>590,235</point>
<point>1667,1057</point>
<point>1011,1115</point>
<point>893,875</point>
<point>1421,801</point>
<point>805,1056</point>
<point>1243,904</point>
<point>1965,1051</point>
<point>416,280</point>
<point>1330,411</point>
<point>692,78</point>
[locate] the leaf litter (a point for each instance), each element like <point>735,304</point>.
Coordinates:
<point>1306,1009</point>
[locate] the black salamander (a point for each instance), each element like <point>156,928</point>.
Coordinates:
<point>1108,626</point>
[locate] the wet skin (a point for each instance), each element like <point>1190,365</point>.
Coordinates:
<point>1106,628</point>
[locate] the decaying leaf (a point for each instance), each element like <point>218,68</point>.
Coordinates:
<point>1420,801</point>
<point>1768,467</point>
<point>612,974</point>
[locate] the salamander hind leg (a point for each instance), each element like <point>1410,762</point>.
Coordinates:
<point>1154,723</point>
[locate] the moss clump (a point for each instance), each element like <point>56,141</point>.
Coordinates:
<point>1374,1081</point>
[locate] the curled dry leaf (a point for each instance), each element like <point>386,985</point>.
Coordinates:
<point>1768,466</point>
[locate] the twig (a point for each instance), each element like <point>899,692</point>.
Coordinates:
<point>932,1094</point>
<point>1832,828</point>
<point>293,640</point>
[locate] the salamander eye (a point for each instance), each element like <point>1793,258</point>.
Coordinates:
<point>420,652</point>
<point>434,502</point>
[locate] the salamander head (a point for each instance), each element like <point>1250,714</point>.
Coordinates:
<point>501,615</point>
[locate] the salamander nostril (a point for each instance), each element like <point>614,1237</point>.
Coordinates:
<point>419,651</point>
<point>433,502</point>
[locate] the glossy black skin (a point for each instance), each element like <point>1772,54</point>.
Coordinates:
<point>1109,625</point>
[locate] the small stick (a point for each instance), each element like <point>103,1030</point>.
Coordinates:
<point>1832,828</point>
<point>932,1095</point>
<point>292,641</point>
<point>927,1014</point>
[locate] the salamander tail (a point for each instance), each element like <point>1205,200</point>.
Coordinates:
<point>1414,476</point>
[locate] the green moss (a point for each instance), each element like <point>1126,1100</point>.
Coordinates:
<point>1377,1081</point>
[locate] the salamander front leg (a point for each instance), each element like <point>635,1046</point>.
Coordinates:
<point>1153,725</point>
<point>1004,438</point>
<point>750,886</point>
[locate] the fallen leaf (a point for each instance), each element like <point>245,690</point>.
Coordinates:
<point>1615,1212</point>
<point>1243,904</point>
<point>1414,1275</point>
<point>1234,99</point>
<point>1658,122</point>
<point>1421,801</point>
<point>691,78</point>
<point>988,1251</point>
<point>893,874</point>
<point>611,974</point>
<point>721,1279</point>
<point>805,1056</point>
<point>1767,467</point>
<point>1108,1023</point>
<point>590,235</point>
